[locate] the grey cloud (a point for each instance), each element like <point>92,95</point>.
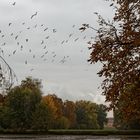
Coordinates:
<point>75,79</point>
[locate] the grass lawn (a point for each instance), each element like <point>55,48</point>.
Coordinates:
<point>75,132</point>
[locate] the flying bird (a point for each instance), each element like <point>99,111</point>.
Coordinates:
<point>45,29</point>
<point>26,62</point>
<point>76,39</point>
<point>62,41</point>
<point>42,56</point>
<point>3,44</point>
<point>46,52</point>
<point>9,24</point>
<point>28,28</point>
<point>33,15</point>
<point>14,3</point>
<point>35,26</point>
<point>21,47</point>
<point>70,35</point>
<point>54,30</point>
<point>14,51</point>
<point>47,37</point>
<point>73,26</point>
<point>33,56</point>
<point>44,47</point>
<point>26,40</point>
<point>2,52</point>
<point>16,37</point>
<point>54,55</point>
<point>42,42</point>
<point>66,41</point>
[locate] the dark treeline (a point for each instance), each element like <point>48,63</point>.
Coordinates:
<point>25,108</point>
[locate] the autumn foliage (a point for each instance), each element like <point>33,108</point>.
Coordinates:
<point>25,108</point>
<point>117,47</point>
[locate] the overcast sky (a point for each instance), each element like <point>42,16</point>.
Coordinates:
<point>50,47</point>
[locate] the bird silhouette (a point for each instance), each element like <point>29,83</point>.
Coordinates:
<point>21,47</point>
<point>14,52</point>
<point>33,56</point>
<point>70,35</point>
<point>28,28</point>
<point>63,42</point>
<point>66,41</point>
<point>42,42</point>
<point>14,3</point>
<point>26,62</point>
<point>35,26</point>
<point>44,47</point>
<point>9,24</point>
<point>54,55</point>
<point>27,40</point>
<point>73,26</point>
<point>42,56</point>
<point>54,30</point>
<point>46,52</point>
<point>16,37</point>
<point>47,37</point>
<point>76,39</point>
<point>33,15</point>
<point>3,44</point>
<point>45,29</point>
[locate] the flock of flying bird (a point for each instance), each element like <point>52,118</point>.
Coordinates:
<point>21,41</point>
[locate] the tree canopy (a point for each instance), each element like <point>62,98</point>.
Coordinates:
<point>117,47</point>
<point>25,108</point>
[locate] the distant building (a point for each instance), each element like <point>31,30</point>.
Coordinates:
<point>110,122</point>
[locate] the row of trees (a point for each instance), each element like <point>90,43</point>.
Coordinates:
<point>24,108</point>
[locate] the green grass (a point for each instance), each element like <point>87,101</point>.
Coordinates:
<point>75,132</point>
<point>95,132</point>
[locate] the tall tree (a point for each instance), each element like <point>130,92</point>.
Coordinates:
<point>127,112</point>
<point>101,115</point>
<point>117,47</point>
<point>86,115</point>
<point>42,117</point>
<point>70,112</point>
<point>55,104</point>
<point>22,102</point>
